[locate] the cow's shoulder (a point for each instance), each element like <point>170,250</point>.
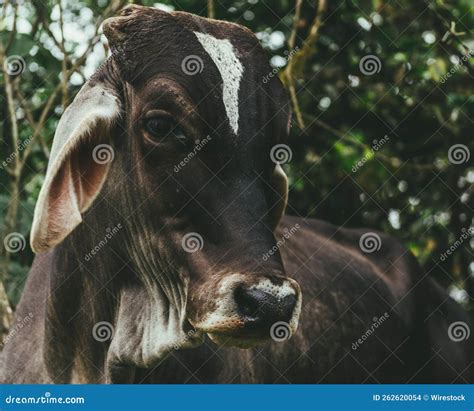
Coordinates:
<point>316,236</point>
<point>22,356</point>
<point>360,257</point>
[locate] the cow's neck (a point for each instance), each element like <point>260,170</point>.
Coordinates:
<point>119,286</point>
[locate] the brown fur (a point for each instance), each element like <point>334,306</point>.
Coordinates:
<point>143,283</point>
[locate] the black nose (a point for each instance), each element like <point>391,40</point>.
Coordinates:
<point>260,310</point>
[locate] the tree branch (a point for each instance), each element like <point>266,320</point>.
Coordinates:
<point>298,60</point>
<point>211,11</point>
<point>392,161</point>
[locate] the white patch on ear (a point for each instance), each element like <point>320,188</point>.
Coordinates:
<point>224,57</point>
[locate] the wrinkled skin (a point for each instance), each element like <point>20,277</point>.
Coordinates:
<point>163,301</point>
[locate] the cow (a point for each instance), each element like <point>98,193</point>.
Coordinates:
<point>157,266</point>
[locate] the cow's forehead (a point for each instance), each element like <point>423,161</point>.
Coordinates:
<point>155,43</point>
<point>224,56</point>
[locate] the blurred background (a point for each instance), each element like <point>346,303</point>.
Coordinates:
<point>382,132</point>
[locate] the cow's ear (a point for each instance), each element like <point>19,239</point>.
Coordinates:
<point>279,182</point>
<point>77,168</point>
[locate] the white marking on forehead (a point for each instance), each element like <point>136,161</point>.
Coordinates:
<point>224,57</point>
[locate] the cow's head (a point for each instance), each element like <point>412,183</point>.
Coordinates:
<point>191,119</point>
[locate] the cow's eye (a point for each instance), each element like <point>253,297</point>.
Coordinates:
<point>161,127</point>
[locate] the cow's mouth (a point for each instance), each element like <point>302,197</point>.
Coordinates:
<point>250,333</point>
<point>279,331</point>
<point>246,311</point>
<point>227,340</point>
<point>243,331</point>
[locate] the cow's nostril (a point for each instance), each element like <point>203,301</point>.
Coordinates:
<point>262,309</point>
<point>250,302</point>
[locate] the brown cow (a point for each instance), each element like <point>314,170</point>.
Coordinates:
<point>155,229</point>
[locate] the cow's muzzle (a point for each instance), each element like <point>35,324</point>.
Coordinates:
<point>247,310</point>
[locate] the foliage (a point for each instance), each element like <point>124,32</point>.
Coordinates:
<point>407,187</point>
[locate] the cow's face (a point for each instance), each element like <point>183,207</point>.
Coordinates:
<point>192,123</point>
